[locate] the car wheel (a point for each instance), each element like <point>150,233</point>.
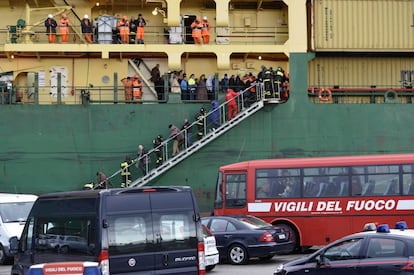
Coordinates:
<point>293,236</point>
<point>210,267</point>
<point>3,257</point>
<point>237,254</point>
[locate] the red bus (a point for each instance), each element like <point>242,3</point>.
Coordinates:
<point>319,199</point>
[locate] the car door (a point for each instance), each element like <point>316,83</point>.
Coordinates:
<point>384,256</point>
<point>339,258</point>
<point>224,231</point>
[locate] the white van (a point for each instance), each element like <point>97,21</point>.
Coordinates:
<point>14,209</point>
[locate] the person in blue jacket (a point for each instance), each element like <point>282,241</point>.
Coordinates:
<point>214,116</point>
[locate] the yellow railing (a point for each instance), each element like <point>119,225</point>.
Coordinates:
<point>153,35</point>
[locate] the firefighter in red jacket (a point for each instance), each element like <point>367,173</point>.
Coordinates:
<point>232,109</point>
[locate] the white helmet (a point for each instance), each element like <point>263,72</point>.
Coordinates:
<point>49,16</point>
<point>205,18</point>
<point>86,16</point>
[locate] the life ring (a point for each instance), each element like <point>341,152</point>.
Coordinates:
<point>324,94</point>
<point>390,96</point>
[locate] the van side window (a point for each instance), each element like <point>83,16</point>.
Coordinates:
<point>174,227</point>
<point>177,230</point>
<point>129,233</point>
<point>128,230</point>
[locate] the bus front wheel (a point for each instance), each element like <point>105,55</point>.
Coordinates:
<point>294,237</point>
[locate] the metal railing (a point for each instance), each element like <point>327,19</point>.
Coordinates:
<point>248,103</point>
<point>162,34</point>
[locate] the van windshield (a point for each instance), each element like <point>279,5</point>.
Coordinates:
<point>15,211</point>
<point>66,235</point>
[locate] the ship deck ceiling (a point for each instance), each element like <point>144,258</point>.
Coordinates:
<point>267,52</point>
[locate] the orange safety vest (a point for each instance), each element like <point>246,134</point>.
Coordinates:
<point>196,29</point>
<point>137,88</point>
<point>206,28</point>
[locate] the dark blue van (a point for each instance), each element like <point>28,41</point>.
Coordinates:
<point>149,230</point>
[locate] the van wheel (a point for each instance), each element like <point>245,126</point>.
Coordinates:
<point>3,258</point>
<point>210,267</point>
<point>237,254</point>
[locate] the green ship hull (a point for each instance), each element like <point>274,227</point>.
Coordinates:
<point>59,148</point>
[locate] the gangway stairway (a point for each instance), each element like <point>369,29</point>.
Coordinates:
<point>210,134</point>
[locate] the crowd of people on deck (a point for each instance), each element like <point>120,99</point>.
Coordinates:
<point>274,82</point>
<point>129,30</point>
<point>125,28</point>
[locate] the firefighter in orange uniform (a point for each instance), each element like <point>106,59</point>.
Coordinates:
<point>123,28</point>
<point>140,33</point>
<point>137,88</point>
<point>127,82</point>
<point>196,27</point>
<point>64,25</point>
<point>232,109</point>
<point>205,31</point>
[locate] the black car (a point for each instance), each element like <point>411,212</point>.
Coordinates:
<point>242,237</point>
<point>376,251</point>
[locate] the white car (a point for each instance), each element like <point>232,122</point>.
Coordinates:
<point>210,249</point>
<point>65,243</point>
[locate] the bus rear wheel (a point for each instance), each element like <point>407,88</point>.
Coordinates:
<point>294,237</point>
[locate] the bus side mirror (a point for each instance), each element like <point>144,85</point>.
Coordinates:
<point>14,245</point>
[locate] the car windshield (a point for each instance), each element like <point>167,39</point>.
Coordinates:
<point>15,211</point>
<point>253,222</point>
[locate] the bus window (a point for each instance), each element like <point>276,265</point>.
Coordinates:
<point>267,183</point>
<point>356,185</point>
<point>235,190</point>
<point>290,182</point>
<point>325,182</point>
<point>384,186</point>
<point>408,179</point>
